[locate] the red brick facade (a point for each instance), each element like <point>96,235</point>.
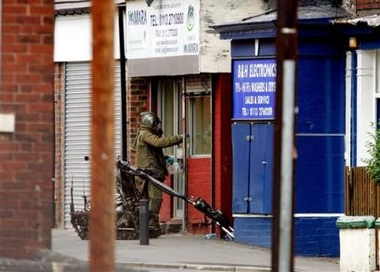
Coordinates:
<point>212,179</point>
<point>26,154</point>
<point>367,5</point>
<point>223,144</point>
<point>137,101</point>
<point>203,175</point>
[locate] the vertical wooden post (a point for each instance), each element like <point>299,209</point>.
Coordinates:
<point>284,142</point>
<point>102,211</point>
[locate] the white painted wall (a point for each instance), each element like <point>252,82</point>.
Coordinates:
<point>73,38</point>
<point>366,102</point>
<point>348,81</point>
<point>215,53</point>
<point>357,250</point>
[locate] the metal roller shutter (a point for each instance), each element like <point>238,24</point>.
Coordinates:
<point>77,126</point>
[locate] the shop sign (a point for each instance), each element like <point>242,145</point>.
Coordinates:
<point>164,29</point>
<point>254,85</point>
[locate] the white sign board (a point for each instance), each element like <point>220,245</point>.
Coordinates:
<point>166,28</point>
<point>73,38</point>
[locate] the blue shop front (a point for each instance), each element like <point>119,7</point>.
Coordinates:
<point>321,126</point>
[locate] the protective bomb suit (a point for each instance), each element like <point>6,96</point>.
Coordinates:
<point>148,146</point>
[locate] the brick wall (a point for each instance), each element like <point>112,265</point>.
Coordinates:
<point>223,144</point>
<point>198,168</point>
<point>26,155</point>
<point>258,231</point>
<point>200,178</point>
<point>217,170</point>
<point>199,185</point>
<point>137,101</point>
<point>367,5</point>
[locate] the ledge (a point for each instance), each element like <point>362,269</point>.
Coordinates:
<point>356,222</point>
<point>377,223</point>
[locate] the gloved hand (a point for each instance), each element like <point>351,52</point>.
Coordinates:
<point>169,159</point>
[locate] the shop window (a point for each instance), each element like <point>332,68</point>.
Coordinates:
<point>199,121</point>
<point>169,110</point>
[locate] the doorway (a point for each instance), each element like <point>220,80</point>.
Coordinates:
<point>170,110</point>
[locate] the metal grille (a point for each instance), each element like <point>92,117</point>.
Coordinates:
<point>77,138</point>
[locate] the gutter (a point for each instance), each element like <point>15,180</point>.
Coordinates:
<point>370,20</point>
<point>75,7</point>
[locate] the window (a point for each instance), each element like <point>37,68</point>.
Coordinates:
<point>168,110</point>
<point>200,125</point>
<point>198,90</point>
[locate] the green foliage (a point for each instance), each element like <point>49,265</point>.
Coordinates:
<point>373,163</point>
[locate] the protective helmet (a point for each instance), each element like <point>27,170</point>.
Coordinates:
<point>149,119</point>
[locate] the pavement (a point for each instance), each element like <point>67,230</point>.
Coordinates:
<point>169,252</point>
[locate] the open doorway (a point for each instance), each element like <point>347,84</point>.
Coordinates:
<point>169,108</point>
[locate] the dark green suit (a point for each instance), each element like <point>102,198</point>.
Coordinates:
<point>148,147</point>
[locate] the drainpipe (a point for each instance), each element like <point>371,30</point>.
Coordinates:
<point>102,215</point>
<point>354,116</point>
<point>284,141</point>
<point>124,136</point>
<point>185,156</point>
